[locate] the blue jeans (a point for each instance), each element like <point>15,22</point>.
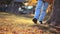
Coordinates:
<point>40,10</point>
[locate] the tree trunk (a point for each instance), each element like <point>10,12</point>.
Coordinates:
<point>55,17</point>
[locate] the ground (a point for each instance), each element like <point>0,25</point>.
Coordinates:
<point>22,24</point>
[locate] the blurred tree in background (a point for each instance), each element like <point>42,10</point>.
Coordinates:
<point>5,1</point>
<point>55,16</point>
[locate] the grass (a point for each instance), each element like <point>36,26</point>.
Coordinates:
<point>21,24</point>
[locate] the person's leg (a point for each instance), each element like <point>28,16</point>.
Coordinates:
<point>43,12</point>
<point>37,11</point>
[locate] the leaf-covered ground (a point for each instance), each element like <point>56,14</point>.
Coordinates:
<point>21,24</point>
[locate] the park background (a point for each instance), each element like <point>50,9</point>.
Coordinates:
<point>16,17</point>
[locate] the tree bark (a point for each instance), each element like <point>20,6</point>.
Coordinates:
<point>55,17</point>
